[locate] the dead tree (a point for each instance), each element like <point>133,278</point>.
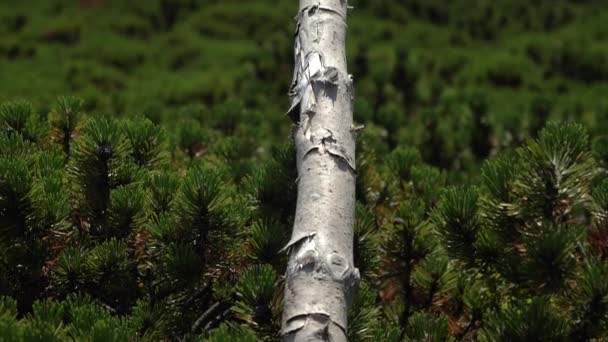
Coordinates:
<point>320,276</point>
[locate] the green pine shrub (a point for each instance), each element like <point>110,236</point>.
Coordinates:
<point>104,209</point>
<point>529,233</point>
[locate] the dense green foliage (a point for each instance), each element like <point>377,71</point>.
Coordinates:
<point>108,216</point>
<point>459,82</point>
<point>153,205</point>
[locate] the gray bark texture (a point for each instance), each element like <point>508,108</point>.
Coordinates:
<point>321,277</point>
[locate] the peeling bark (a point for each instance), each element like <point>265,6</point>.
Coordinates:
<point>320,276</point>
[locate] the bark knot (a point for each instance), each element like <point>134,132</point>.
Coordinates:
<point>338,266</point>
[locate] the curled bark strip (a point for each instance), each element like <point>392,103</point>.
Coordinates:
<point>324,141</point>
<point>311,10</point>
<point>336,152</point>
<point>303,72</point>
<point>324,327</point>
<point>321,277</point>
<point>295,240</point>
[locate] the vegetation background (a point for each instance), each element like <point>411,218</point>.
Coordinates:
<point>155,207</point>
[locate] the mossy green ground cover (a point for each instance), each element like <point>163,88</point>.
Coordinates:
<point>155,208</point>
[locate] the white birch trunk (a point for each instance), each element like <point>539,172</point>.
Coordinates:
<point>320,276</point>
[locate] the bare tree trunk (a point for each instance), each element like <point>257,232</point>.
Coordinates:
<point>320,276</point>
